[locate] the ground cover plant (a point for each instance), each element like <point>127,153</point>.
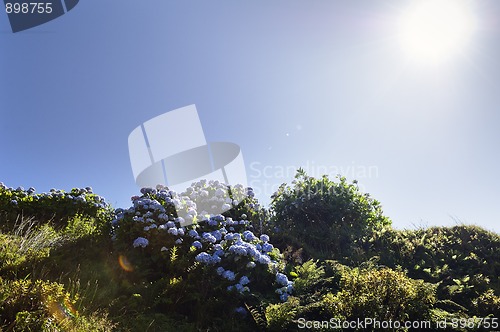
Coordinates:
<point>323,252</point>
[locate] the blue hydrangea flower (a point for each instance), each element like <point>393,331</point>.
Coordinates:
<point>140,242</point>
<point>281,279</point>
<point>203,257</point>
<point>284,297</point>
<point>244,280</point>
<point>209,238</point>
<point>193,233</point>
<point>240,288</point>
<point>220,270</point>
<point>264,259</point>
<point>219,253</point>
<point>215,259</point>
<point>264,238</point>
<point>197,244</point>
<point>229,275</point>
<point>172,231</point>
<point>248,236</point>
<point>267,247</point>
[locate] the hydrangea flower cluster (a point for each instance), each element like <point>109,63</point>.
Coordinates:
<point>162,219</point>
<point>286,286</point>
<point>77,195</point>
<point>55,204</point>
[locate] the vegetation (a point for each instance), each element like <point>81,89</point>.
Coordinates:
<point>321,257</point>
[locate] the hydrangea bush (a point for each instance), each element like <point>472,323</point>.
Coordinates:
<point>171,238</point>
<point>56,206</point>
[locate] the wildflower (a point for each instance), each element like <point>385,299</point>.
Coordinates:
<point>284,297</point>
<point>178,241</point>
<point>173,231</point>
<point>140,242</point>
<point>193,233</point>
<point>251,265</point>
<point>197,244</point>
<point>220,270</point>
<point>14,202</point>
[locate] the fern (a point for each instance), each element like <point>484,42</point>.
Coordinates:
<point>257,316</point>
<point>173,254</point>
<point>308,274</point>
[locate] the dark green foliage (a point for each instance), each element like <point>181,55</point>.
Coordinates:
<point>463,260</point>
<point>382,294</point>
<point>326,218</point>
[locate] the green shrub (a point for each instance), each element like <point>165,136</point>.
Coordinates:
<point>328,219</point>
<point>487,304</point>
<point>381,294</point>
<point>43,306</point>
<point>463,260</point>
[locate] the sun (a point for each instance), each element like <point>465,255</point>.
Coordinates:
<point>433,31</point>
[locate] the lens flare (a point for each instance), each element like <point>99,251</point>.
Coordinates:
<point>62,311</point>
<point>125,264</point>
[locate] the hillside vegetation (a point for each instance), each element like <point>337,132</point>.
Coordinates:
<point>322,256</point>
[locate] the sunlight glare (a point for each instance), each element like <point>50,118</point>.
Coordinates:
<point>432,31</point>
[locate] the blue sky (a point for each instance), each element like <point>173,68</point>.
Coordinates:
<point>293,83</point>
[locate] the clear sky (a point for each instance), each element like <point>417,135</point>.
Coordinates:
<point>326,85</point>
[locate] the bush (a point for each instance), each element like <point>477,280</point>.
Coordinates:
<point>43,306</point>
<point>196,262</point>
<point>463,260</point>
<point>381,294</point>
<point>57,206</point>
<point>328,219</point>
